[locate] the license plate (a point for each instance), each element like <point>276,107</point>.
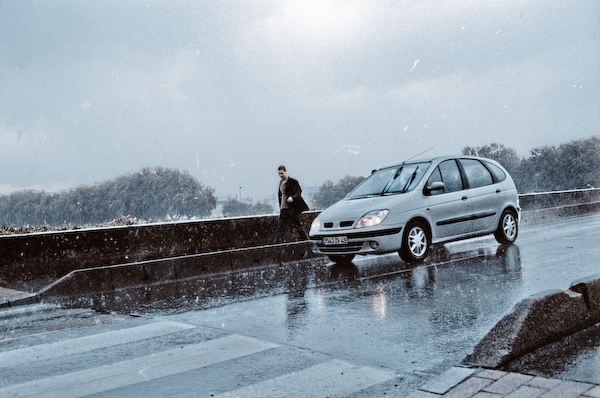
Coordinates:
<point>335,240</point>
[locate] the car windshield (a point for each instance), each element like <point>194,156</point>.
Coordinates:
<point>392,180</point>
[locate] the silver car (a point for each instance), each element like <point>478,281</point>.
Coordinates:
<point>410,206</point>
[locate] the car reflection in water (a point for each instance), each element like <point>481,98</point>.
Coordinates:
<point>454,289</point>
<point>485,273</point>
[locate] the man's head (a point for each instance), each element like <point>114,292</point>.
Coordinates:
<point>282,172</point>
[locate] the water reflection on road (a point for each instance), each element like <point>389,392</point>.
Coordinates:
<point>426,316</point>
<point>379,310</point>
<point>373,276</point>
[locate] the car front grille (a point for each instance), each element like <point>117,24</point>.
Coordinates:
<point>343,224</point>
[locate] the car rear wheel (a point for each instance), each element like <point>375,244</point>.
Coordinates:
<point>415,243</point>
<point>341,258</point>
<point>508,228</point>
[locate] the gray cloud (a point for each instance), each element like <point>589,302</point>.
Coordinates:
<point>230,90</point>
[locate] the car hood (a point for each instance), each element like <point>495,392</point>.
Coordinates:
<point>353,209</point>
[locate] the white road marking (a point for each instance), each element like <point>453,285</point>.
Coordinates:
<point>331,378</point>
<point>89,343</point>
<point>121,374</point>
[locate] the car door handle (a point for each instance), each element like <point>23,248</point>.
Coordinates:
<point>498,191</point>
<point>464,198</point>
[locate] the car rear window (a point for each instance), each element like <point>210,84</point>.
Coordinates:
<point>477,174</point>
<point>499,174</point>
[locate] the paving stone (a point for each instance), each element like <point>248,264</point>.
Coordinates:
<point>483,394</point>
<point>593,393</point>
<point>468,388</point>
<point>423,394</point>
<point>444,382</point>
<point>526,392</point>
<point>509,383</point>
<point>568,389</point>
<point>544,382</point>
<point>491,374</point>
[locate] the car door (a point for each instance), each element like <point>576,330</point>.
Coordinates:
<point>449,207</point>
<point>484,196</point>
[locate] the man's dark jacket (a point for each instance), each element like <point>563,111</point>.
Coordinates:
<point>293,190</point>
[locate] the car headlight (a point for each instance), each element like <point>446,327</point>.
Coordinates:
<point>315,226</point>
<point>372,218</point>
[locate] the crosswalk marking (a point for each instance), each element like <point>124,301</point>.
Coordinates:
<point>333,377</point>
<point>89,343</point>
<point>329,378</point>
<point>121,374</point>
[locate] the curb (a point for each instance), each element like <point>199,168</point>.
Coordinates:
<point>539,320</point>
<point>25,299</point>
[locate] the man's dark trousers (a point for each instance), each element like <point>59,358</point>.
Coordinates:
<point>289,218</point>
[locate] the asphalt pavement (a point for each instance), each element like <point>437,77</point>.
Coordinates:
<point>291,315</point>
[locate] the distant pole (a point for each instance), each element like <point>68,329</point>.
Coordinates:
<point>240,194</point>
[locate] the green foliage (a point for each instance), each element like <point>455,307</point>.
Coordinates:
<point>507,157</point>
<point>330,193</point>
<point>235,208</point>
<point>153,193</point>
<point>573,165</point>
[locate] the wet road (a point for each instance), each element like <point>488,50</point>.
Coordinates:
<point>422,319</point>
<point>402,324</point>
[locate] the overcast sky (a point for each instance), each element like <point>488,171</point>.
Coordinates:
<point>229,90</point>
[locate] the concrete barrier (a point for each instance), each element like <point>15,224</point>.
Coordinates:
<point>82,283</point>
<point>558,199</point>
<point>539,320</point>
<point>545,206</point>
<point>30,262</point>
<point>589,288</point>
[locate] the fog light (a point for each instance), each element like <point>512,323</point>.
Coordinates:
<point>374,245</point>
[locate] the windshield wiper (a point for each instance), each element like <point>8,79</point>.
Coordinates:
<point>410,180</point>
<point>391,181</point>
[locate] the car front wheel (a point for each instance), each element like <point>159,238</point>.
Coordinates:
<point>508,228</point>
<point>415,243</point>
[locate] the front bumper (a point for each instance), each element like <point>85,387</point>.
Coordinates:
<point>363,242</point>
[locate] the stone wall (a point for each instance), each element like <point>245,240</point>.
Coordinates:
<point>30,261</point>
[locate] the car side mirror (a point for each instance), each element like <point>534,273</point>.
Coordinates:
<point>436,186</point>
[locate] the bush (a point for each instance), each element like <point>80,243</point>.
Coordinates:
<point>153,193</point>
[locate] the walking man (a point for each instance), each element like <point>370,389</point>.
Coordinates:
<point>291,204</point>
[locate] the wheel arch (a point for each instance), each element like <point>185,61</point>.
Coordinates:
<point>405,251</point>
<point>512,209</point>
<point>425,222</point>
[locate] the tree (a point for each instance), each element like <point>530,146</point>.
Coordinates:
<point>235,208</point>
<point>572,165</point>
<point>507,157</point>
<point>152,193</point>
<point>330,193</point>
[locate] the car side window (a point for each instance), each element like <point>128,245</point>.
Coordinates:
<point>435,177</point>
<point>499,175</point>
<point>450,176</point>
<point>448,173</point>
<point>477,174</point>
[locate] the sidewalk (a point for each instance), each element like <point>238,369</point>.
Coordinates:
<point>463,382</point>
